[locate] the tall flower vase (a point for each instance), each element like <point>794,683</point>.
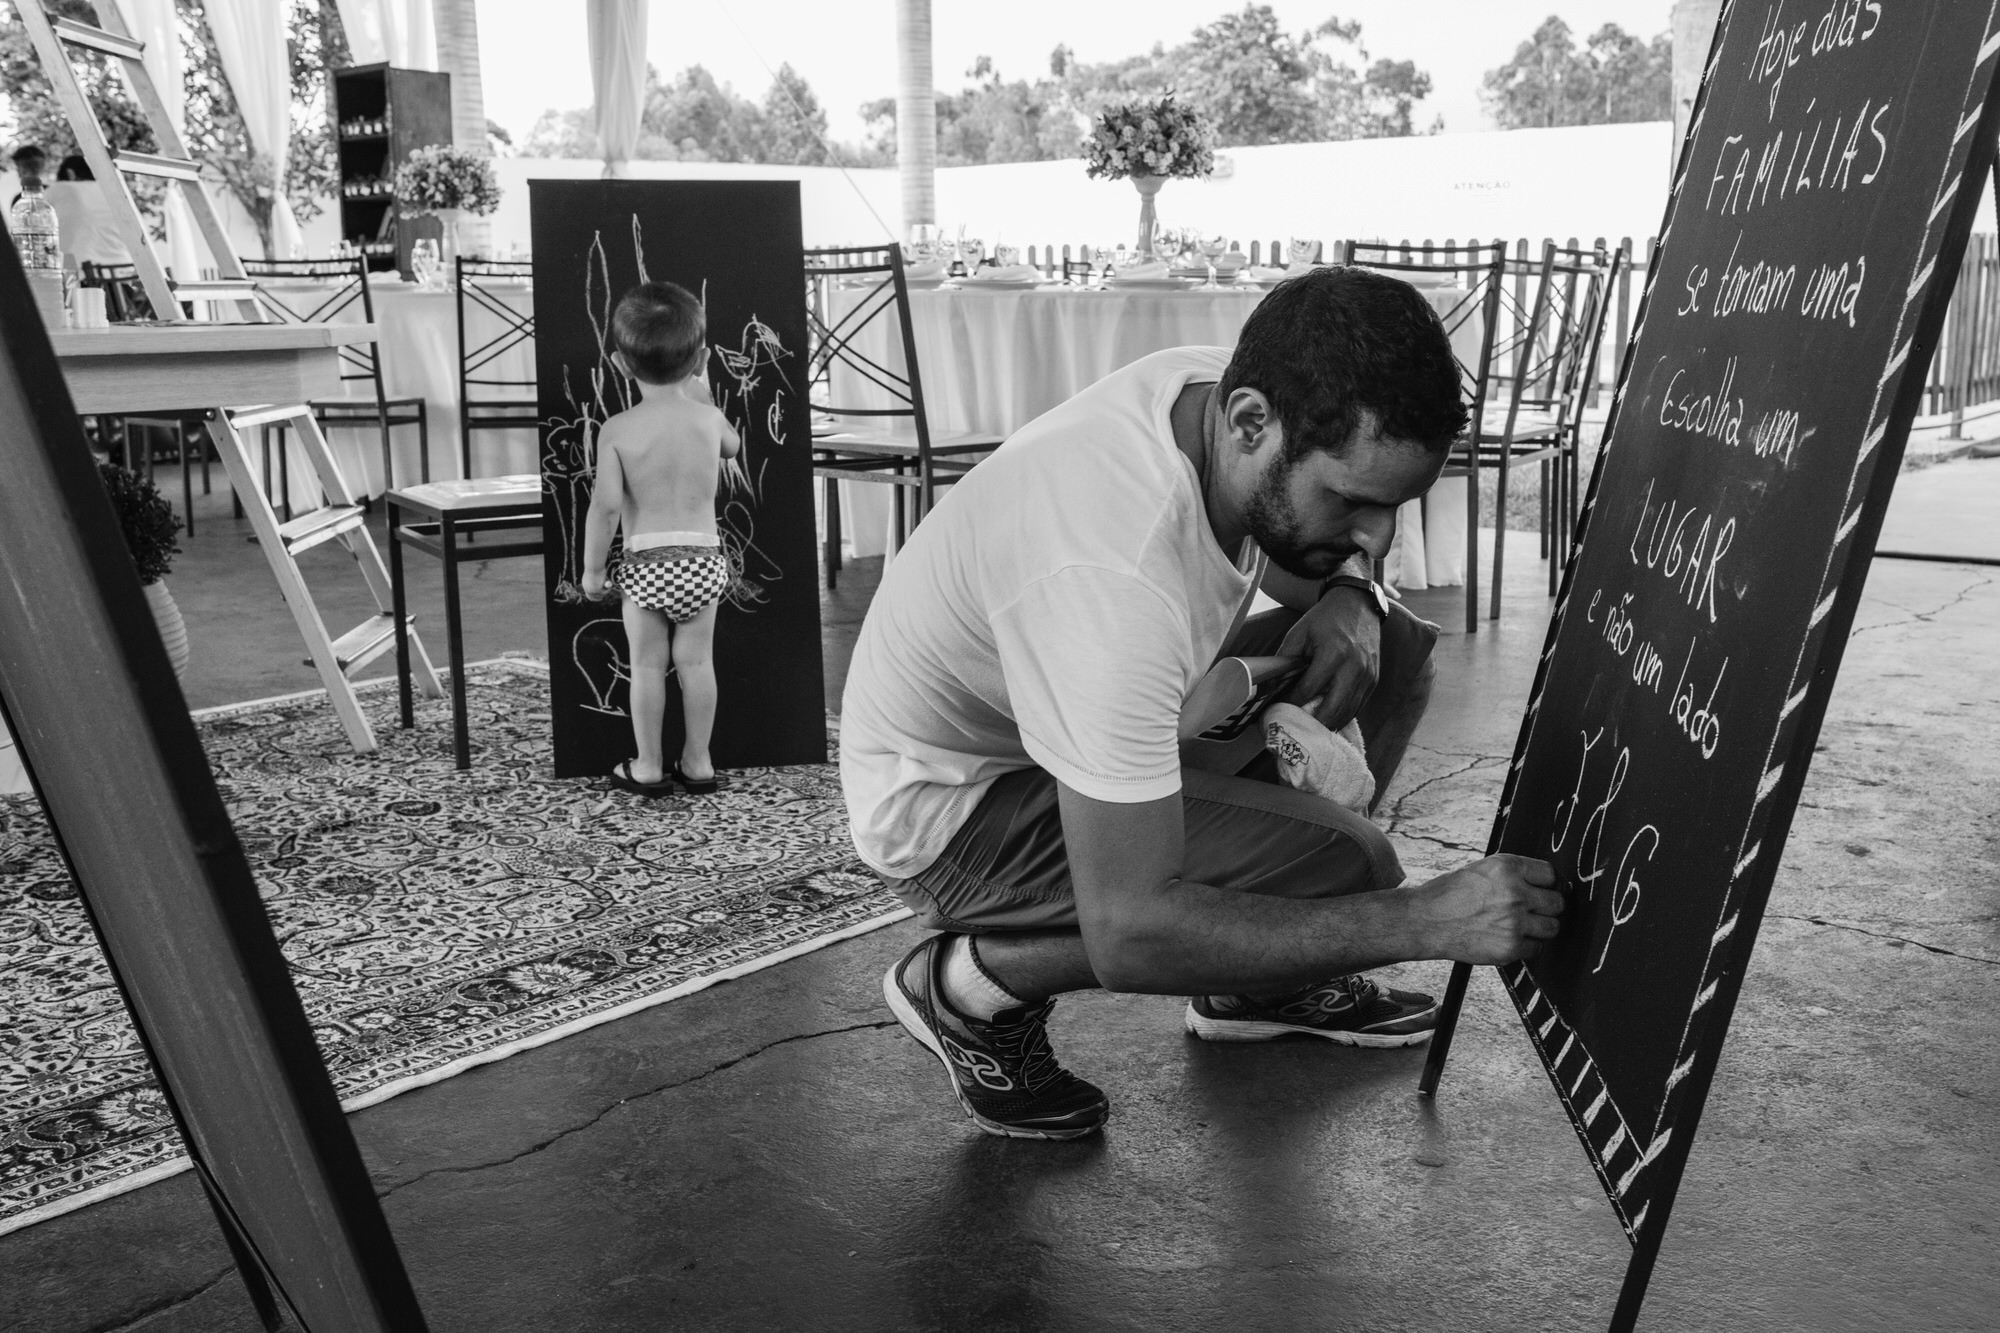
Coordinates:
<point>1147,186</point>
<point>449,218</point>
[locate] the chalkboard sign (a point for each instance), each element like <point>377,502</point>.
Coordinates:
<point>1818,213</point>
<point>737,245</point>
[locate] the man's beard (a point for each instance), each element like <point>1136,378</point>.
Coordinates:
<point>1274,525</point>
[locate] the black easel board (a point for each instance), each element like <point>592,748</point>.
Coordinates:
<point>1819,210</point>
<point>737,245</point>
<point>87,690</point>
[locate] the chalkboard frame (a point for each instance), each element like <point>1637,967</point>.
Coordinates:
<point>1642,1189</point>
<point>113,756</point>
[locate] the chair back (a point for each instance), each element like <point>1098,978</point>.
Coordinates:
<point>1553,352</point>
<point>117,281</point>
<point>1475,276</point>
<point>494,329</point>
<point>852,369</point>
<point>323,291</point>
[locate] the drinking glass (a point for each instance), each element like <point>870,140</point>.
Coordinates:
<point>1100,256</point>
<point>1212,249</point>
<point>1299,251</point>
<point>972,250</point>
<point>424,262</point>
<point>924,241</point>
<point>1006,255</point>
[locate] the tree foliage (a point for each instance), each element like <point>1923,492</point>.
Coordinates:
<point>215,133</point>
<point>694,118</point>
<point>1614,78</point>
<point>1255,82</point>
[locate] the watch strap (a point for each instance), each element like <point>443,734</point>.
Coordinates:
<point>1369,586</point>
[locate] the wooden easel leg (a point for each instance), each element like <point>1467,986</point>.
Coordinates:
<point>1638,1273</point>
<point>1454,1000</point>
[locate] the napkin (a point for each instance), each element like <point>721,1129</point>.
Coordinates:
<point>924,270</point>
<point>1010,273</point>
<point>1148,270</point>
<point>1264,273</point>
<point>1332,764</point>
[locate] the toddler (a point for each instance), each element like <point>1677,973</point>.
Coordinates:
<point>657,468</point>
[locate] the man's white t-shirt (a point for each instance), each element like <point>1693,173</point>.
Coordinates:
<point>1053,611</point>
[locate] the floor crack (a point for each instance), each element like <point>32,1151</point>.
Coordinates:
<point>1984,581</point>
<point>1396,806</point>
<point>171,1303</point>
<point>562,1134</point>
<point>1884,935</point>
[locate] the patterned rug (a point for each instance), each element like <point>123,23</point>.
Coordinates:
<point>434,920</point>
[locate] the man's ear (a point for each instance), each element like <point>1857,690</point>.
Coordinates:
<point>1247,420</point>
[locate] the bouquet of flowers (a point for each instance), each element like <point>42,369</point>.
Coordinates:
<point>1162,138</point>
<point>445,176</point>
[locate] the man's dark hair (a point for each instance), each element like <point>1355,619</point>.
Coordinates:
<point>29,152</point>
<point>74,168</point>
<point>1328,345</point>
<point>661,330</point>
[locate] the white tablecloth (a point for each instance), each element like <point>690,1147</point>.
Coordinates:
<point>994,360</point>
<point>419,349</point>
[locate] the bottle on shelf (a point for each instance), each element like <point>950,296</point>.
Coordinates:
<point>39,239</point>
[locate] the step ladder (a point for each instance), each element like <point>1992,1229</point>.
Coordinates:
<point>344,518</point>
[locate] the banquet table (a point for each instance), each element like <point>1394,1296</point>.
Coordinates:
<point>994,359</point>
<point>417,336</point>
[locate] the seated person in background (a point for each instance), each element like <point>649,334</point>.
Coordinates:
<point>658,463</point>
<point>1008,743</point>
<point>89,228</point>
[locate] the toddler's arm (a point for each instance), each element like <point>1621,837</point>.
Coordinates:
<point>607,503</point>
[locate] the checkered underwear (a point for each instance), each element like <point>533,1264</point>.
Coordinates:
<point>677,580</point>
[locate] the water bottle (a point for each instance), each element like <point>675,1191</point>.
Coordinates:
<point>33,224</point>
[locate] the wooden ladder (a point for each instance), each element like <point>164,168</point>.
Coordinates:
<point>343,518</point>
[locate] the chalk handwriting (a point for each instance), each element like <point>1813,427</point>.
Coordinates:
<point>1686,555</point>
<point>1589,863</point>
<point>1713,415</point>
<point>1780,46</point>
<point>1702,725</point>
<point>1793,161</point>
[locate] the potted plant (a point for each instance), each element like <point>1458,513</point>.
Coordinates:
<point>1149,142</point>
<point>450,182</point>
<point>147,519</point>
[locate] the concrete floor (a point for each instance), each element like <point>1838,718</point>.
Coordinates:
<point>774,1154</point>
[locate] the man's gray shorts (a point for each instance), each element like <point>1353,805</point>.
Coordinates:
<point>1006,868</point>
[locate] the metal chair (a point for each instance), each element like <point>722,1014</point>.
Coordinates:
<point>861,370</point>
<point>484,400</point>
<point>345,283</point>
<point>1554,359</point>
<point>138,433</point>
<point>1481,271</point>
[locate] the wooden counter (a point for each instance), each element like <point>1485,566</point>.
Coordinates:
<point>176,367</point>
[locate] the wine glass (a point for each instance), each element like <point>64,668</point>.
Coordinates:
<point>973,251</point>
<point>1213,248</point>
<point>1100,258</point>
<point>424,262</point>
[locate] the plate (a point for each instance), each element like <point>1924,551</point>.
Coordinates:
<point>1150,284</point>
<point>998,284</point>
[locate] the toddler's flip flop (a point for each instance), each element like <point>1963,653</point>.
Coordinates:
<point>704,787</point>
<point>621,778</point>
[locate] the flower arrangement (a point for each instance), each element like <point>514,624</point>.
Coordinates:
<point>444,176</point>
<point>147,519</point>
<point>1162,138</point>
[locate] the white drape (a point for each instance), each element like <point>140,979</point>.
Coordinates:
<point>250,38</point>
<point>617,35</point>
<point>396,31</point>
<point>152,22</point>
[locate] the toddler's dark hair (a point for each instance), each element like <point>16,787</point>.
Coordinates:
<point>661,331</point>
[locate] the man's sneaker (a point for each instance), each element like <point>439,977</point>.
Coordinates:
<point>1353,1011</point>
<point>1003,1072</point>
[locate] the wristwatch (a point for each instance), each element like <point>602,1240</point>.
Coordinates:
<point>1379,598</point>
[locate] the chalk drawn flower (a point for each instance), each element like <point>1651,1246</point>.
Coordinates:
<point>133,1111</point>
<point>546,978</point>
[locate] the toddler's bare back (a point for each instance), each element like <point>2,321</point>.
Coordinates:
<point>669,449</point>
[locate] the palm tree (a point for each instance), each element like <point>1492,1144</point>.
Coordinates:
<point>916,113</point>
<point>456,25</point>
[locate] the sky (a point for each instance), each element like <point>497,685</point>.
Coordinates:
<point>533,52</point>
